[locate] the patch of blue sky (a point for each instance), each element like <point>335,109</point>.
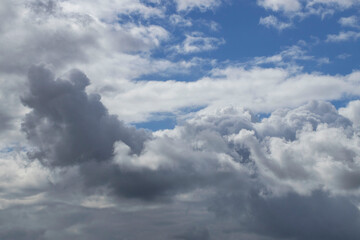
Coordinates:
<point>237,23</point>
<point>161,121</point>
<point>155,125</point>
<point>261,116</point>
<point>14,148</point>
<point>194,73</point>
<point>344,101</point>
<point>245,39</point>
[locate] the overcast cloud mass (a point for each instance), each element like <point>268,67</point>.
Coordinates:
<point>192,120</point>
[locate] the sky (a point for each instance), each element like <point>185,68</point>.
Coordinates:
<point>179,119</point>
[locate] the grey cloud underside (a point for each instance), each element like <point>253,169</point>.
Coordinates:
<point>67,125</point>
<point>293,175</point>
<point>318,216</point>
<point>194,233</point>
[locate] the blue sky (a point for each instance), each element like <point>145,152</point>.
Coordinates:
<point>237,36</point>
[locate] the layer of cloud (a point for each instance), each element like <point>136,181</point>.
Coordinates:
<point>262,89</point>
<point>304,158</point>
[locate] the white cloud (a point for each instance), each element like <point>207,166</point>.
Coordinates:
<point>197,42</point>
<point>274,22</point>
<point>352,112</point>
<point>344,56</point>
<point>202,5</point>
<point>109,10</point>
<point>351,21</point>
<point>343,36</point>
<point>305,8</point>
<point>261,89</point>
<point>280,5</point>
<point>337,3</point>
<point>180,20</point>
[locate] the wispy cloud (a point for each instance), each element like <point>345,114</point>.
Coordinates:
<point>352,21</point>
<point>343,36</point>
<point>273,22</point>
<point>198,42</point>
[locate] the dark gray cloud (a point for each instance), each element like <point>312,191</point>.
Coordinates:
<point>317,216</point>
<point>68,126</point>
<point>195,233</point>
<point>47,7</point>
<point>146,184</point>
<point>22,234</point>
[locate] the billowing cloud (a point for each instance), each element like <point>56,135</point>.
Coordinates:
<point>247,171</point>
<point>67,125</point>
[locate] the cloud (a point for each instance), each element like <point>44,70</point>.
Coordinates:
<point>195,234</point>
<point>272,21</point>
<point>246,170</point>
<point>280,5</point>
<point>302,9</point>
<point>314,217</point>
<point>202,5</point>
<point>351,21</point>
<point>352,112</point>
<point>22,234</point>
<point>197,42</point>
<point>76,171</point>
<point>110,10</point>
<point>67,125</point>
<point>302,159</point>
<point>343,36</point>
<point>178,20</point>
<point>263,89</point>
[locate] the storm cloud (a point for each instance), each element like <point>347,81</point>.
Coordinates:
<point>67,126</point>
